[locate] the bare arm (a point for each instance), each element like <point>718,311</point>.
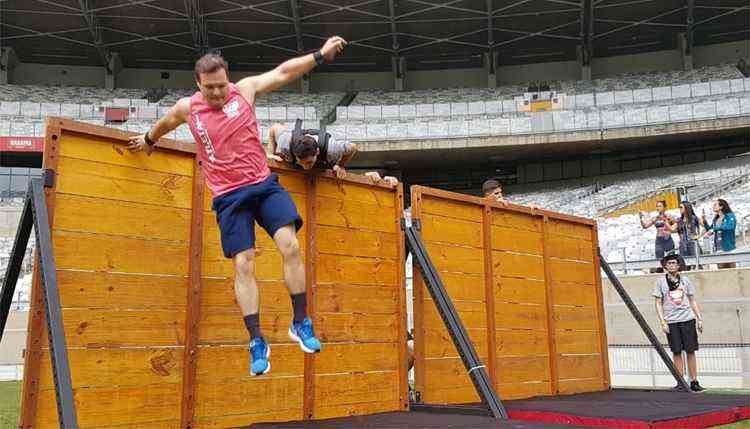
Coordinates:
<point>647,224</point>
<point>349,152</point>
<point>696,311</point>
<point>288,71</point>
<point>273,134</point>
<point>660,313</point>
<point>175,117</point>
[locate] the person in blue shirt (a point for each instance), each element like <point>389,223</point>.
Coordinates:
<point>723,228</point>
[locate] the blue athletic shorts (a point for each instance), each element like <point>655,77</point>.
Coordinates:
<point>267,203</point>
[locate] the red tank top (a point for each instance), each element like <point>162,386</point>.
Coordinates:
<point>228,143</point>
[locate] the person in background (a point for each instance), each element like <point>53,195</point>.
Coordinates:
<point>723,228</point>
<point>493,190</point>
<point>679,316</point>
<point>688,227</point>
<point>663,222</point>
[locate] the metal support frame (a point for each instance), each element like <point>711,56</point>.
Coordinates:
<point>197,26</point>
<point>642,322</point>
<point>476,369</point>
<point>96,32</point>
<point>35,214</point>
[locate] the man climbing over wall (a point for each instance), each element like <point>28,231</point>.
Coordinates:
<point>309,149</point>
<point>221,116</point>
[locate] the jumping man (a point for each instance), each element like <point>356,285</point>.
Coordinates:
<point>221,116</point>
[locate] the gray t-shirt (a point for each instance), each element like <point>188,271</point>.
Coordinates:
<point>675,303</point>
<point>336,149</point>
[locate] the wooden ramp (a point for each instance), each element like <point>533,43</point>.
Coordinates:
<point>154,336</point>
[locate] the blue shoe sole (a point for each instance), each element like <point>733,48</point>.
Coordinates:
<point>304,348</point>
<point>268,368</point>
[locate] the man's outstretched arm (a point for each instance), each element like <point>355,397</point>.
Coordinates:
<point>175,117</point>
<point>288,71</point>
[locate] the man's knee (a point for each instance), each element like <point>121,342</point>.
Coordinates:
<point>288,243</point>
<point>244,263</point>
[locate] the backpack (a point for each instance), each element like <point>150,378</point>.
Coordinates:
<point>298,133</point>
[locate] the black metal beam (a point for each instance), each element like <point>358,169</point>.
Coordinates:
<point>14,264</point>
<point>66,409</point>
<point>96,32</point>
<point>642,322</point>
<point>394,31</point>
<point>587,31</point>
<point>197,26</point>
<point>474,366</point>
<point>690,24</point>
<point>295,6</point>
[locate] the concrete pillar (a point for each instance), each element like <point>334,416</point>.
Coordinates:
<point>685,52</point>
<point>584,62</point>
<point>112,69</point>
<point>304,84</point>
<point>490,64</point>
<point>8,61</point>
<point>398,64</point>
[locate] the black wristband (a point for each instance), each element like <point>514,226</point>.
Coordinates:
<point>318,57</point>
<point>148,139</point>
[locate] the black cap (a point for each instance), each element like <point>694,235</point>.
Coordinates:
<point>672,256</point>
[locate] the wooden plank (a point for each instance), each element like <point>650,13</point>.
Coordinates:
<point>451,209</point>
<point>521,342</point>
<point>570,229</point>
<point>600,310</point>
<point>37,318</point>
<point>448,373</point>
<point>94,148</point>
<point>521,291</point>
<point>123,328</point>
<point>357,357</point>
<point>576,318</point>
<point>510,240</point>
<point>353,214</point>
<point>104,216</point>
<point>218,296</point>
<point>438,343</point>
<point>449,258</point>
<point>243,420</point>
<point>551,322</point>
<point>345,327</point>
<point>571,271</point>
<point>343,298</point>
<point>514,369</point>
<point>227,328</point>
<point>368,194</point>
<point>359,388</point>
<point>250,395</point>
<point>578,294</point>
<point>419,294</point>
<point>123,367</point>
<point>193,310</point>
<point>96,252</point>
<point>292,181</point>
<point>506,264</point>
<point>520,316</point>
<point>473,314</point>
<point>464,394</point>
<point>489,297</point>
<point>519,221</point>
<point>569,387</point>
<point>577,342</point>
<point>311,276</point>
<point>564,247</point>
<point>354,270</point>
<point>219,365</point>
<point>442,229</point>
<point>348,242</point>
<point>580,366</point>
<point>99,180</point>
<point>356,409</point>
<point>464,287</point>
<point>268,264</point>
<point>403,326</point>
<point>89,289</point>
<point>510,391</point>
<point>115,406</point>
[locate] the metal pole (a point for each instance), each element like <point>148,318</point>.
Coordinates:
<point>14,263</point>
<point>642,322</point>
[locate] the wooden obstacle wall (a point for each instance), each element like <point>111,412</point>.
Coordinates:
<point>526,285</point>
<point>154,334</point>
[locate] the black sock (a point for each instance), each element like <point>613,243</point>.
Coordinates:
<point>252,323</point>
<point>299,304</point>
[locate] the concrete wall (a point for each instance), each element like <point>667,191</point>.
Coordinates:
<point>562,70</point>
<point>725,53</point>
<point>651,61</point>
<point>45,74</point>
<point>14,338</point>
<point>723,297</point>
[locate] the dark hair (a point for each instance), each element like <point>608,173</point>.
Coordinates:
<point>663,202</point>
<point>305,147</point>
<point>724,205</point>
<point>210,63</point>
<point>688,210</point>
<point>490,185</point>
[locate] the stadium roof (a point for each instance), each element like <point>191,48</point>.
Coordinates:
<point>258,34</point>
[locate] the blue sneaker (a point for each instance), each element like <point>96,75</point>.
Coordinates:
<point>304,335</point>
<point>259,353</point>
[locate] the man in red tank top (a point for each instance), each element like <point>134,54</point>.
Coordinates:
<point>221,116</point>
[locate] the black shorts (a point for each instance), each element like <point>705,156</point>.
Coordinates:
<point>266,203</point>
<point>683,336</point>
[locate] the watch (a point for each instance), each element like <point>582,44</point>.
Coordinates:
<point>318,58</point>
<point>148,139</point>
